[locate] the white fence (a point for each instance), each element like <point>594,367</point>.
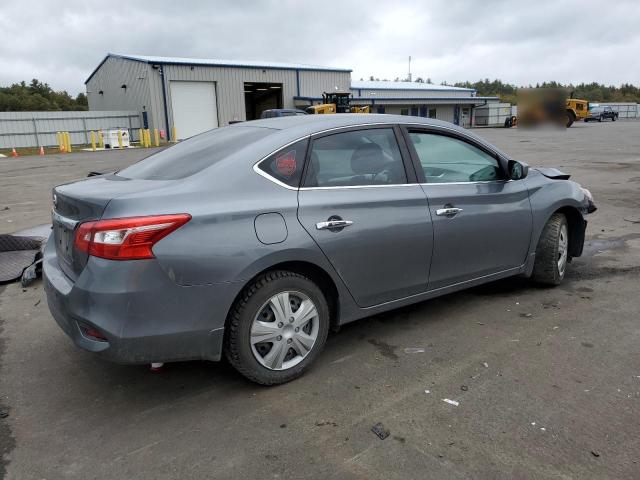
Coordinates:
<point>38,129</point>
<point>625,110</point>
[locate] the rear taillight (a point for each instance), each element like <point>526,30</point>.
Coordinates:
<point>126,238</point>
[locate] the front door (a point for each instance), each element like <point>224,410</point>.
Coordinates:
<point>372,225</point>
<point>481,220</point>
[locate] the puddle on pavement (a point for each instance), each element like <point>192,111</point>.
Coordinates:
<point>597,245</point>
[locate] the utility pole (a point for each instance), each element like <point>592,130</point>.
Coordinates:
<point>409,68</point>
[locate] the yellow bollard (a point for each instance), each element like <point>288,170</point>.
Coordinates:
<point>59,138</point>
<point>93,140</point>
<point>140,137</point>
<point>101,139</point>
<point>148,138</point>
<point>67,136</point>
<point>174,134</point>
<point>156,137</point>
<point>119,138</point>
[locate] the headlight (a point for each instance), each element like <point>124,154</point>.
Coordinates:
<point>587,194</point>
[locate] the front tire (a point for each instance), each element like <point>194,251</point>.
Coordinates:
<point>277,328</point>
<point>552,252</point>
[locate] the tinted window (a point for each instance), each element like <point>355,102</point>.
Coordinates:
<point>195,154</point>
<point>446,159</point>
<point>359,157</point>
<point>286,165</point>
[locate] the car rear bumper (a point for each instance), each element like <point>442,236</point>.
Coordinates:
<point>142,314</point>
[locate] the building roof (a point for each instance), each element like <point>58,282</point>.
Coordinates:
<point>380,85</point>
<point>218,63</point>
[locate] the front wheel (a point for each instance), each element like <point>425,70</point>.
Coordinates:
<point>552,252</point>
<point>278,328</point>
<point>613,119</point>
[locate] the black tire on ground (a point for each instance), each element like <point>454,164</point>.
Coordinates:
<point>545,268</point>
<point>571,117</point>
<point>600,118</point>
<point>237,345</point>
<point>613,118</point>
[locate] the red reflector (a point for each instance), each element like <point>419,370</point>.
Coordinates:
<point>126,238</point>
<point>92,333</point>
<point>286,163</point>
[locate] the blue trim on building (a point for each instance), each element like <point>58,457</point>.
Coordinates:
<point>298,82</point>
<point>413,99</point>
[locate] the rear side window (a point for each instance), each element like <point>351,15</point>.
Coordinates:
<point>195,154</point>
<point>358,157</point>
<point>446,160</point>
<point>286,164</point>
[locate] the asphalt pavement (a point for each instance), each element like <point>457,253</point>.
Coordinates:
<point>507,380</point>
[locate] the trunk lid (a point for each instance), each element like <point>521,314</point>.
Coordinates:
<point>83,201</point>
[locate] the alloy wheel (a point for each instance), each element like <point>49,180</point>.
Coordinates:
<point>563,244</point>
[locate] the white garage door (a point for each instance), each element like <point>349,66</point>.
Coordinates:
<point>194,107</point>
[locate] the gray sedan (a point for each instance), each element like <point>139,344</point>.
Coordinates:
<point>252,241</point>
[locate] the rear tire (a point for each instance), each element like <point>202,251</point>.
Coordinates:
<point>600,118</point>
<point>613,119</point>
<point>552,252</point>
<point>264,340</point>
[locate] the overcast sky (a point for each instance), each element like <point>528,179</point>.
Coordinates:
<point>521,42</point>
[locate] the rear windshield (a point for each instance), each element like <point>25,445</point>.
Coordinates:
<point>195,154</point>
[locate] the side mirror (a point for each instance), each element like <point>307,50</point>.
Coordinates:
<point>517,170</point>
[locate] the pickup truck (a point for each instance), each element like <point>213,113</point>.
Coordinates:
<point>600,113</point>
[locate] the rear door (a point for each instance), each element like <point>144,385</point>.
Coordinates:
<point>359,206</point>
<point>482,221</point>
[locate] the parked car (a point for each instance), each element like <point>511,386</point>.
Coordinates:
<point>600,113</point>
<point>282,112</point>
<point>254,240</point>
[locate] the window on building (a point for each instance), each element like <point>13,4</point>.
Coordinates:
<point>286,165</point>
<point>432,113</point>
<point>359,157</point>
<point>404,111</point>
<point>414,111</point>
<point>380,110</point>
<point>447,159</point>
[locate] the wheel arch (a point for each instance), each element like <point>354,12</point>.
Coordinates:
<point>576,225</point>
<point>315,273</point>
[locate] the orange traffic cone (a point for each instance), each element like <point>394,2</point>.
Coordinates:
<point>41,150</point>
<point>14,153</point>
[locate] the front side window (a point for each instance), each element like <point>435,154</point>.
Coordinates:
<point>358,157</point>
<point>286,164</point>
<point>446,159</point>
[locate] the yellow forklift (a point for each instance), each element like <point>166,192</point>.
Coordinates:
<point>336,102</point>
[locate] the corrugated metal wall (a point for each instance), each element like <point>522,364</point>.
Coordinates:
<point>144,86</point>
<point>109,79</point>
<point>34,129</point>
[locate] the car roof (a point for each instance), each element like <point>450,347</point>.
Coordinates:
<point>309,124</point>
<point>296,127</point>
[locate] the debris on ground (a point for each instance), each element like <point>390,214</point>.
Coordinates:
<point>414,350</point>
<point>526,315</point>
<point>17,253</point>
<point>380,430</point>
<point>464,388</point>
<point>4,414</point>
<point>427,392</point>
<point>451,402</point>
<point>485,364</point>
<point>595,454</point>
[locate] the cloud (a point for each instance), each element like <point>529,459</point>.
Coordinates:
<point>518,42</point>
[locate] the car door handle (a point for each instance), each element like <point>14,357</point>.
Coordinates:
<point>448,211</point>
<point>329,224</point>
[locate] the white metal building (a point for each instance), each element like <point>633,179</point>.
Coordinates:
<point>195,95</point>
<point>451,104</point>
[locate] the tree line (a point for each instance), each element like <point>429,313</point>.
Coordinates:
<point>37,96</point>
<point>594,92</point>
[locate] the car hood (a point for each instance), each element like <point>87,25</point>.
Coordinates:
<point>553,173</point>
